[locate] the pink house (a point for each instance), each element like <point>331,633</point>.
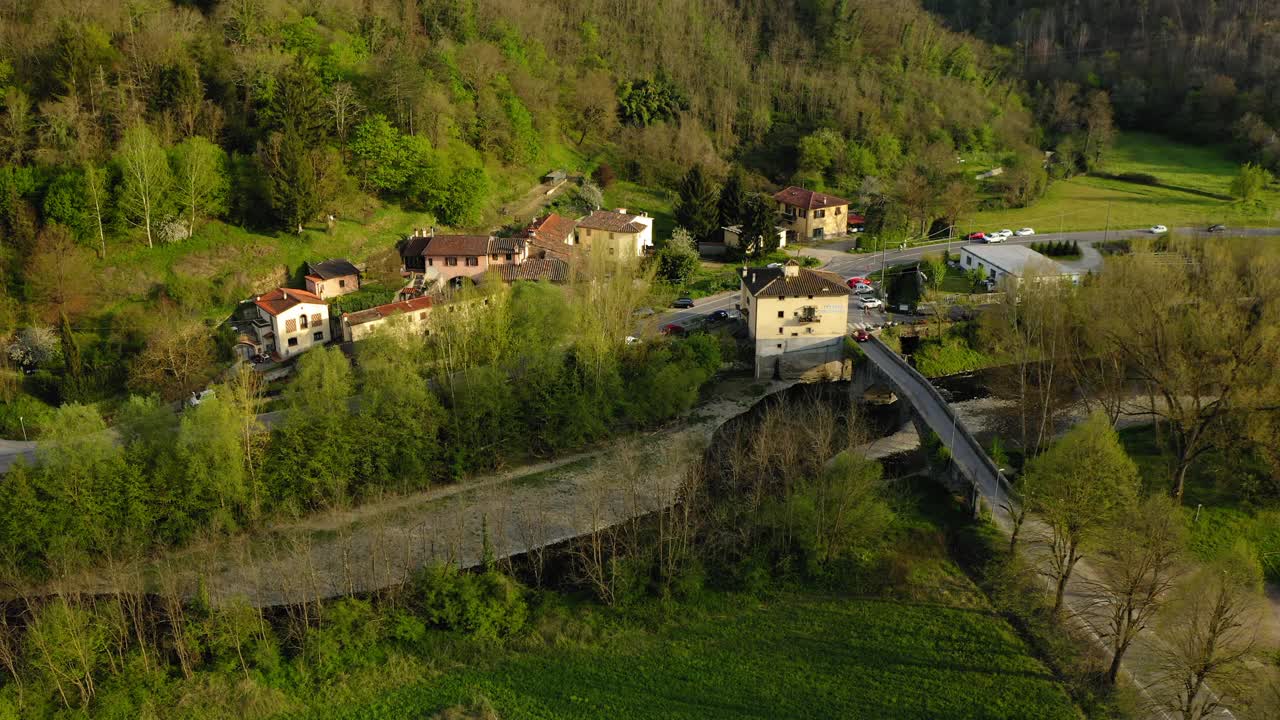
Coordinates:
<point>459,256</point>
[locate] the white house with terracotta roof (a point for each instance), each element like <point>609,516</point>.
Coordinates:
<point>405,316</point>
<point>619,232</point>
<point>809,214</point>
<point>552,236</point>
<point>798,319</point>
<point>289,321</point>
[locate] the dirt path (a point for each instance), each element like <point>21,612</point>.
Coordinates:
<point>524,209</point>
<point>382,543</point>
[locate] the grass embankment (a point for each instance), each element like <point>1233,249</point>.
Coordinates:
<point>1193,191</point>
<point>1213,482</point>
<point>792,654</point>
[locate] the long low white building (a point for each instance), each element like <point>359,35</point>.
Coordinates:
<point>1016,261</point>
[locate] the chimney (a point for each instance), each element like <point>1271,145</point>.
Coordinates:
<point>791,269</point>
<point>433,231</point>
<point>753,277</point>
<point>621,210</point>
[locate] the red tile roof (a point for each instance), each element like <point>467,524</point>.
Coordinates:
<point>281,299</point>
<point>454,245</point>
<point>773,282</point>
<point>807,199</point>
<point>552,228</point>
<point>551,269</point>
<point>382,311</point>
<point>612,221</point>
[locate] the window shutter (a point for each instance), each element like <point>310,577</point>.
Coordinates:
<point>315,319</point>
<point>290,325</point>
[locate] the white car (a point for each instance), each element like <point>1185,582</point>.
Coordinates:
<point>863,289</point>
<point>870,303</point>
<point>197,398</point>
<point>995,237</point>
<point>1006,233</point>
<point>1023,232</point>
<point>1159,229</point>
<point>632,339</point>
<point>774,266</point>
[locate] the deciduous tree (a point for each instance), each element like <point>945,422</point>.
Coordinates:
<point>146,179</point>
<point>200,176</point>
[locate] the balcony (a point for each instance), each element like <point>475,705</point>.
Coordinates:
<point>808,315</point>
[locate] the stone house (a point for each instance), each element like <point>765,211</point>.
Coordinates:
<point>808,214</point>
<point>620,233</point>
<point>405,316</point>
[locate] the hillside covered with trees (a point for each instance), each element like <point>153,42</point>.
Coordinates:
<point>163,155</point>
<point>1203,72</point>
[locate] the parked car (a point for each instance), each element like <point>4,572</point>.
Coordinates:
<point>632,339</point>
<point>865,289</point>
<point>995,237</point>
<point>978,236</point>
<point>870,303</point>
<point>720,316</point>
<point>1023,232</point>
<point>857,281</point>
<point>673,329</point>
<point>683,303</point>
<point>1159,229</point>
<point>774,266</point>
<point>1217,228</point>
<point>1007,233</point>
<point>861,336</point>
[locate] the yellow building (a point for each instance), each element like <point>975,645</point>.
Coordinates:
<point>797,318</point>
<point>807,214</point>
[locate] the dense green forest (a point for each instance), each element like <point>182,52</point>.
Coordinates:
<point>161,160</point>
<point>1203,72</point>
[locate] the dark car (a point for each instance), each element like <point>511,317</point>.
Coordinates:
<point>861,335</point>
<point>673,329</point>
<point>1217,228</point>
<point>683,302</point>
<point>720,316</point>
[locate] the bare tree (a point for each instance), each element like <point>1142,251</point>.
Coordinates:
<point>343,107</point>
<point>1211,634</point>
<point>1136,567</point>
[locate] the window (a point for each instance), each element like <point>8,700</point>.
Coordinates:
<point>302,319</point>
<point>290,326</point>
<point>779,346</point>
<point>610,236</point>
<point>817,232</point>
<point>430,262</point>
<point>795,334</point>
<point>804,213</point>
<point>819,213</point>
<point>838,211</point>
<point>451,262</point>
<point>588,232</point>
<point>293,342</point>
<point>318,337</point>
<point>810,297</point>
<point>342,283</point>
<point>494,256</point>
<point>781,331</point>
<point>422,316</point>
<point>781,313</point>
<point>473,261</point>
<point>508,257</point>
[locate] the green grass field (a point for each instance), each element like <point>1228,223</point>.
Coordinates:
<point>795,655</point>
<point>1190,178</point>
<point>1224,518</point>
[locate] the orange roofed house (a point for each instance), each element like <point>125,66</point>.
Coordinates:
<point>405,316</point>
<point>459,256</point>
<point>288,321</point>
<point>552,236</point>
<point>809,214</point>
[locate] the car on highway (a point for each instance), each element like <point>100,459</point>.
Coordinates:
<point>1023,232</point>
<point>1006,233</point>
<point>1217,228</point>
<point>683,303</point>
<point>673,329</point>
<point>978,236</point>
<point>995,237</point>
<point>861,336</point>
<point>857,281</point>
<point>1158,229</point>
<point>870,303</point>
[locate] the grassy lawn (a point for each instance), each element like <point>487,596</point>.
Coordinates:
<point>795,654</point>
<point>1225,516</point>
<point>636,198</point>
<point>1189,175</point>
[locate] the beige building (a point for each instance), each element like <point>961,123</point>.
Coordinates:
<point>808,214</point>
<point>289,322</point>
<point>731,236</point>
<point>332,278</point>
<point>621,233</point>
<point>798,319</point>
<point>405,316</point>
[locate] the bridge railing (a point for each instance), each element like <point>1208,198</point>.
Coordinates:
<point>988,466</point>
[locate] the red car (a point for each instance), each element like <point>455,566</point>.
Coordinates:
<point>978,236</point>
<point>673,329</point>
<point>861,336</point>
<point>857,281</point>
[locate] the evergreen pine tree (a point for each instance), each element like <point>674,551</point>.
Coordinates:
<point>697,209</point>
<point>731,199</point>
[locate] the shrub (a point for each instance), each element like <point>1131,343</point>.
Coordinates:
<point>604,176</point>
<point>485,605</point>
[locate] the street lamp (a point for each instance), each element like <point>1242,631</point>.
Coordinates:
<point>24,428</point>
